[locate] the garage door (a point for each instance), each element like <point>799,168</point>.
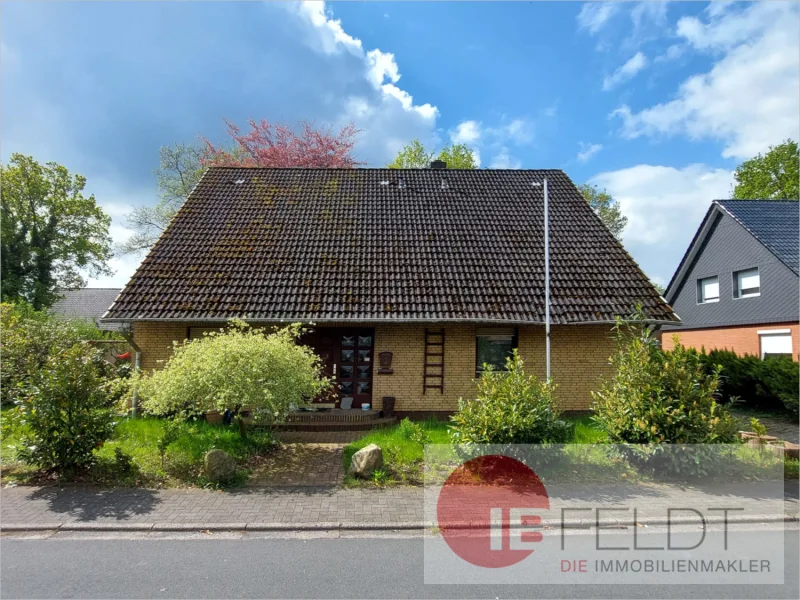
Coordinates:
<point>775,342</point>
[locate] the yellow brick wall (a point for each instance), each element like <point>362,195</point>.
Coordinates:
<point>579,357</point>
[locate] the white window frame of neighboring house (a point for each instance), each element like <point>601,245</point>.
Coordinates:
<point>735,278</point>
<point>765,333</point>
<point>701,299</point>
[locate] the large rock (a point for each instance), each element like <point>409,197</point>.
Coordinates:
<point>366,460</point>
<point>219,466</point>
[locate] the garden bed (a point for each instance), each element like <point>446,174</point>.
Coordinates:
<point>140,462</point>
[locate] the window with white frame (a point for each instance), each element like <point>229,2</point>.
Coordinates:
<point>708,290</point>
<point>746,283</point>
<point>775,342</point>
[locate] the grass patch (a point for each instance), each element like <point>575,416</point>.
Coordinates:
<point>132,456</point>
<point>586,431</point>
<point>403,454</point>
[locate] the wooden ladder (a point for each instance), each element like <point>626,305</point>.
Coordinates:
<point>433,371</point>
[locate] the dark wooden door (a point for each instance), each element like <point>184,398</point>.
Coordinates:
<point>347,358</point>
<point>355,365</point>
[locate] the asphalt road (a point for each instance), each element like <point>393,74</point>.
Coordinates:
<point>210,567</point>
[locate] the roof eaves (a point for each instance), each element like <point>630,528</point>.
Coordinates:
<point>691,251</point>
<point>733,216</point>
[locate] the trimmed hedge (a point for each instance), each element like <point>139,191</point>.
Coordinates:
<point>769,384</point>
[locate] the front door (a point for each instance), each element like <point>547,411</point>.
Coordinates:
<point>355,366</point>
<point>347,357</point>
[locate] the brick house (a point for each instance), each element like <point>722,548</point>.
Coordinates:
<point>736,287</point>
<point>444,269</point>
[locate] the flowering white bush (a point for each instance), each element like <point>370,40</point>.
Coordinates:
<point>237,367</point>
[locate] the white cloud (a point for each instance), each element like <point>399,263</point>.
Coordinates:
<point>664,206</point>
<point>749,99</point>
<point>594,15</point>
<point>674,52</point>
<point>504,160</point>
<point>387,120</point>
<point>381,65</point>
<point>466,132</point>
<point>587,151</point>
<point>520,131</point>
<point>627,71</point>
<point>332,37</point>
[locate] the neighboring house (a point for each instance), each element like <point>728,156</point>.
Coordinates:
<point>442,268</point>
<point>87,303</point>
<point>737,285</point>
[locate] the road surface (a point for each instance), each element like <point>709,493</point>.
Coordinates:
<point>248,566</point>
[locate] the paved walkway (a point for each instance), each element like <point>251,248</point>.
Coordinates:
<point>304,505</point>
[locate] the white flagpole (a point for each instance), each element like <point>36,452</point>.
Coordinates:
<point>547,280</point>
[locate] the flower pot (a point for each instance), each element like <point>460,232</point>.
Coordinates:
<point>388,407</point>
<point>385,360</point>
<point>214,417</point>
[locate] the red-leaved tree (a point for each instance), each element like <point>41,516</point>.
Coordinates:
<point>280,145</point>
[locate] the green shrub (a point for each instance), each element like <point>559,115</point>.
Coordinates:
<point>67,412</point>
<point>770,384</point>
<point>413,432</point>
<point>511,408</point>
<point>29,339</point>
<point>657,396</point>
<point>238,367</point>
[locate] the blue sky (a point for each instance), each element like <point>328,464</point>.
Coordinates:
<point>655,101</point>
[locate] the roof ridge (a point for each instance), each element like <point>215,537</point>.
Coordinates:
<point>422,169</point>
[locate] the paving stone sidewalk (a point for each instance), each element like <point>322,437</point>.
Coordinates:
<point>303,505</point>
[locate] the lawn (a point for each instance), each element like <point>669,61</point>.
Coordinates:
<point>140,462</point>
<point>404,451</point>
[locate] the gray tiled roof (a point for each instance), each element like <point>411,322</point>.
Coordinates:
<point>86,303</point>
<point>380,244</point>
<point>775,223</point>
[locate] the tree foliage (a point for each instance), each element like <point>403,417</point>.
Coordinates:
<point>51,233</point>
<point>265,145</point>
<point>179,171</point>
<point>511,407</point>
<point>234,368</point>
<point>606,208</point>
<point>415,156</point>
<point>281,145</point>
<point>771,176</point>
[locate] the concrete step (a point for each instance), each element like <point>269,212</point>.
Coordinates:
<point>337,425</point>
<point>336,415</point>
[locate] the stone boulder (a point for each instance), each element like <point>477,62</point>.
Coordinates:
<point>366,460</point>
<point>219,466</point>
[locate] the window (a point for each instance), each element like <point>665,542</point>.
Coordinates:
<point>708,290</point>
<point>493,346</point>
<point>746,284</point>
<point>775,342</point>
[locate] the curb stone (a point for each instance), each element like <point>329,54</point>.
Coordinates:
<point>379,526</point>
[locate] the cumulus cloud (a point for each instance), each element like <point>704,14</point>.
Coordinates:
<point>587,151</point>
<point>664,206</point>
<point>749,98</point>
<point>504,160</point>
<point>594,15</point>
<point>626,72</point>
<point>466,132</point>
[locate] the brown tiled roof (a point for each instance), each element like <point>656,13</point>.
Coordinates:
<point>380,244</point>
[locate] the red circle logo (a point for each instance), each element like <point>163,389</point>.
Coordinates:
<point>487,507</point>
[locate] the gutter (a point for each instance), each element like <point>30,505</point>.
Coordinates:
<point>136,368</point>
<point>313,321</point>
